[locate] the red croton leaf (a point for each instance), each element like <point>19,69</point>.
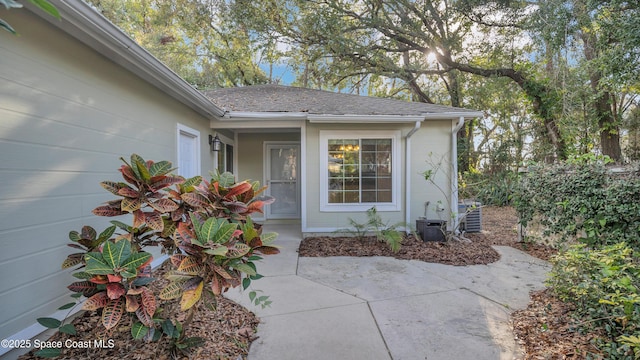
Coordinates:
<point>162,181</point>
<point>128,174</point>
<point>164,205</point>
<point>216,285</point>
<point>144,317</point>
<point>138,218</point>
<point>84,287</point>
<point>106,210</point>
<point>237,190</point>
<point>154,220</point>
<point>148,301</point>
<point>112,186</point>
<point>236,207</point>
<point>115,290</point>
<point>114,278</point>
<point>267,250</point>
<point>222,272</point>
<point>255,242</point>
<point>255,206</point>
<point>95,302</point>
<point>195,200</point>
<point>112,313</point>
<point>128,192</point>
<point>99,279</point>
<point>186,234</point>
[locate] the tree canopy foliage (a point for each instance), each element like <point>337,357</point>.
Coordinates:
<point>555,78</point>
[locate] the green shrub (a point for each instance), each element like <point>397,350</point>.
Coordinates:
<point>382,230</point>
<point>582,200</point>
<point>604,284</point>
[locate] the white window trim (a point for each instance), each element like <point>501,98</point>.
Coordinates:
<point>183,129</point>
<point>394,135</point>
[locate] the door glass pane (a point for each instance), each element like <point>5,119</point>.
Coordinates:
<point>284,164</point>
<point>286,199</point>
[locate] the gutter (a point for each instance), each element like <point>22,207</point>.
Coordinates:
<point>364,119</point>
<point>407,175</point>
<point>454,172</point>
<point>263,115</point>
<point>84,23</point>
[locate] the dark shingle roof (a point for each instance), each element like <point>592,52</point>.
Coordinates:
<point>278,98</point>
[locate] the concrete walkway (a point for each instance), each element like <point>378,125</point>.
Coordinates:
<point>384,308</point>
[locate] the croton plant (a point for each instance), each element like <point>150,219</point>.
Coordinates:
<point>204,227</point>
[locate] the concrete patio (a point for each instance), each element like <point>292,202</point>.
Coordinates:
<point>384,308</point>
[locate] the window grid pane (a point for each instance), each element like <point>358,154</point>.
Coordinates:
<point>359,171</point>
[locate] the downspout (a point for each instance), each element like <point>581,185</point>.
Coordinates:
<point>407,177</point>
<point>454,173</point>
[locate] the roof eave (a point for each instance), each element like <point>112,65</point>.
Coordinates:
<point>88,26</point>
<point>391,118</point>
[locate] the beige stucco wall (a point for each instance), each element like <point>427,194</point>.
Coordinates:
<point>66,116</point>
<point>431,149</point>
<point>433,137</point>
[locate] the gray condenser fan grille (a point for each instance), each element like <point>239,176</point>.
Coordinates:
<point>473,221</point>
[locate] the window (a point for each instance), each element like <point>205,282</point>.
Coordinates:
<point>359,170</point>
<point>224,161</point>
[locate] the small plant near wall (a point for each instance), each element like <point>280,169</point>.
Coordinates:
<point>376,226</point>
<point>204,227</point>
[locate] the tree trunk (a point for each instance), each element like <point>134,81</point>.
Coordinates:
<point>602,104</point>
<point>609,130</point>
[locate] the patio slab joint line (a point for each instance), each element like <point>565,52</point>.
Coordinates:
<point>503,306</point>
<point>375,321</point>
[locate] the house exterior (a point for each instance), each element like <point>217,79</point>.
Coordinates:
<point>77,94</point>
<point>328,157</point>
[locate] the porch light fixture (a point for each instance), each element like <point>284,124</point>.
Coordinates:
<point>216,144</point>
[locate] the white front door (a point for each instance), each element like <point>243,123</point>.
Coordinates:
<point>282,176</point>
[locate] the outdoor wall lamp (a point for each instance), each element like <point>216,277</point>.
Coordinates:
<point>216,144</point>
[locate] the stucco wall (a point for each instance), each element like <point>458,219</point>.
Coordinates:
<point>433,137</point>
<point>431,149</point>
<point>67,115</point>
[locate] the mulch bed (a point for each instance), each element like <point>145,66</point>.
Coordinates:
<point>450,253</point>
<point>499,228</point>
<point>547,330</point>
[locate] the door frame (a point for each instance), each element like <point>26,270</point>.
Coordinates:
<point>267,146</point>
